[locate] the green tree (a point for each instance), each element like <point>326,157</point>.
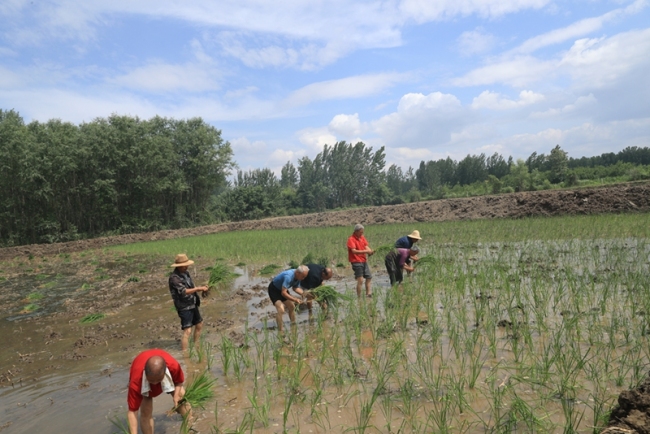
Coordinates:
<point>558,164</point>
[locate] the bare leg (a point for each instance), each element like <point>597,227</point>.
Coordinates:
<point>146,415</point>
<point>359,285</point>
<point>185,339</point>
<point>291,310</point>
<point>368,287</point>
<point>197,332</point>
<point>279,306</point>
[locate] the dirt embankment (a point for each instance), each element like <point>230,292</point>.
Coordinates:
<point>595,200</point>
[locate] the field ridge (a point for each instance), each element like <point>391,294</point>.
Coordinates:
<point>619,198</point>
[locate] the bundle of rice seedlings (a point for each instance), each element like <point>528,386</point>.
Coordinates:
<point>383,251</point>
<point>92,318</point>
<point>327,294</point>
<point>198,392</point>
<point>425,261</point>
<point>268,269</point>
<point>220,275</point>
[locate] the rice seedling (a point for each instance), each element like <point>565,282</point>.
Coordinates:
<point>308,259</point>
<point>34,296</point>
<point>220,276</point>
<point>269,269</point>
<point>327,294</point>
<point>92,317</point>
<point>31,307</point>
<point>120,424</point>
<point>198,391</point>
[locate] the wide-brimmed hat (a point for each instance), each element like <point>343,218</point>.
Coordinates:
<point>415,235</point>
<point>182,261</point>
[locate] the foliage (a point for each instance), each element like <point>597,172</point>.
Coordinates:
<point>269,269</point>
<point>199,391</point>
<point>112,175</point>
<point>92,317</point>
<point>329,295</point>
<point>220,275</point>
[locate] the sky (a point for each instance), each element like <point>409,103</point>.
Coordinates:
<point>425,79</point>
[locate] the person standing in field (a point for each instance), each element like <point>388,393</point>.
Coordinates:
<point>186,299</point>
<point>280,296</point>
<point>358,252</point>
<point>397,261</point>
<point>152,373</point>
<point>317,274</point>
<point>407,241</point>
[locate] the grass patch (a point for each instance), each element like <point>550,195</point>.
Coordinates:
<point>31,307</point>
<point>269,269</point>
<point>92,318</point>
<point>35,296</point>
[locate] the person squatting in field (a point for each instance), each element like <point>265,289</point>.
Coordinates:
<point>397,261</point>
<point>186,299</point>
<point>358,252</point>
<point>152,373</point>
<point>280,296</point>
<point>317,274</point>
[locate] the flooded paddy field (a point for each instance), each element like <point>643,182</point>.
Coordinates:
<point>532,336</point>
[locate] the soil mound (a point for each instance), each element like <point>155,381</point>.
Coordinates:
<point>632,414</point>
<point>596,200</point>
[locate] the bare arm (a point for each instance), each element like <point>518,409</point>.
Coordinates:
<point>285,294</point>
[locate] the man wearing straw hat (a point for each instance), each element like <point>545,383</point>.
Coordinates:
<point>407,241</point>
<point>186,299</point>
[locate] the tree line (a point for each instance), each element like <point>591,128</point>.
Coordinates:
<point>122,174</point>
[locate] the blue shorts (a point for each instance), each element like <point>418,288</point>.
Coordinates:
<point>361,269</point>
<point>190,317</point>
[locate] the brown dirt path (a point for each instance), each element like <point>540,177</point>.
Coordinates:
<point>595,200</point>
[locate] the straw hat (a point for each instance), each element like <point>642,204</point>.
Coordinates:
<point>415,235</point>
<point>182,261</point>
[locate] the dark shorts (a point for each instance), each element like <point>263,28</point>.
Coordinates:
<point>361,269</point>
<point>190,317</point>
<point>275,294</point>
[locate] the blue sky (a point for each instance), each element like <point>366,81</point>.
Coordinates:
<point>424,79</point>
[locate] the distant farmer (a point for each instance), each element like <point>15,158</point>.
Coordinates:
<point>408,240</point>
<point>317,274</point>
<point>399,260</point>
<point>358,251</point>
<point>186,299</point>
<point>152,373</point>
<point>279,292</point>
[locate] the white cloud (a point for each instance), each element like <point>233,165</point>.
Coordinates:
<point>242,145</point>
<point>422,120</point>
<point>475,42</point>
<point>344,88</point>
<point>577,29</point>
<point>580,103</point>
<point>518,72</point>
<point>316,138</point>
<point>158,76</point>
<point>423,11</point>
<point>346,126</point>
<point>494,101</point>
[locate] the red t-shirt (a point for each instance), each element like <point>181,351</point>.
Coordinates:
<point>137,371</point>
<point>358,244</point>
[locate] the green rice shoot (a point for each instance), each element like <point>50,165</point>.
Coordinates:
<point>121,424</point>
<point>92,317</point>
<point>220,275</point>
<point>328,294</point>
<point>199,391</point>
<point>383,250</point>
<point>269,269</point>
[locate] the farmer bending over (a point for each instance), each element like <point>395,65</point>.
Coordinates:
<point>152,373</point>
<point>317,274</point>
<point>399,260</point>
<point>279,292</point>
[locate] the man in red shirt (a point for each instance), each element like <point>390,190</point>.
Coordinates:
<point>152,373</point>
<point>358,251</point>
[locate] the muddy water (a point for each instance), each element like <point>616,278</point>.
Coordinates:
<point>60,375</point>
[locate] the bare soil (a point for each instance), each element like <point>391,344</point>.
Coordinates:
<point>595,200</point>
